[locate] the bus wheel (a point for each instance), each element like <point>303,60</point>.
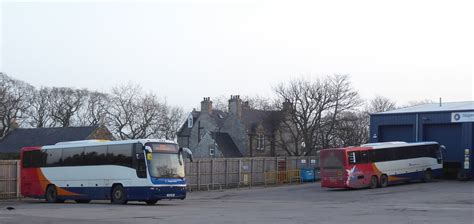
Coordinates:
<point>427,177</point>
<point>52,195</point>
<point>383,180</point>
<point>151,202</point>
<point>118,195</point>
<point>83,201</point>
<point>373,182</point>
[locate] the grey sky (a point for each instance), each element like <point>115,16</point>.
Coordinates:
<point>185,50</point>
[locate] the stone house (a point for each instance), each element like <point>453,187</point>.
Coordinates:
<point>241,132</point>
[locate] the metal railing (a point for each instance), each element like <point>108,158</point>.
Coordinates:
<point>219,173</point>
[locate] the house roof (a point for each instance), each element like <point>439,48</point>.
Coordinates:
<point>217,115</point>
<point>269,119</point>
<point>184,130</point>
<point>434,107</point>
<point>226,145</point>
<point>21,137</point>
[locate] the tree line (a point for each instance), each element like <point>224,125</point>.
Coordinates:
<point>319,113</point>
<point>126,110</point>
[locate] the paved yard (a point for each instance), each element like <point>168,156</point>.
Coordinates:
<point>446,202</point>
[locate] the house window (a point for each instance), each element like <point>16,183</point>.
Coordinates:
<point>190,121</point>
<point>261,142</point>
<point>212,151</point>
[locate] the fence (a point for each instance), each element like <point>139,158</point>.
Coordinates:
<point>202,174</point>
<point>245,172</point>
<point>9,179</point>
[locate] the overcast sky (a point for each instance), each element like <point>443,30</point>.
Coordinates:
<point>186,50</point>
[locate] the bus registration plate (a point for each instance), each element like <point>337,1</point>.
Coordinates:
<point>169,195</point>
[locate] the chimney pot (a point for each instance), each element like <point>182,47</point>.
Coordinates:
<point>206,105</point>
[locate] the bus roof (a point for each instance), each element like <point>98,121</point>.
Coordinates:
<point>382,145</point>
<point>104,142</point>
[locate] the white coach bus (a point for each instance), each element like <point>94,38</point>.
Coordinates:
<point>132,170</point>
<point>380,164</point>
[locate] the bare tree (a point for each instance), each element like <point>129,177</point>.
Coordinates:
<point>65,103</point>
<point>343,99</point>
<point>260,103</point>
<point>380,104</point>
<point>220,103</point>
<point>14,96</point>
<point>40,107</point>
<point>94,110</point>
<point>312,107</point>
<point>172,121</point>
<point>134,114</point>
<point>352,129</point>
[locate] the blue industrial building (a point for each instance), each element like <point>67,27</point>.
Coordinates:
<point>450,124</point>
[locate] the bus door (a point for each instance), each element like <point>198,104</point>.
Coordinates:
<point>139,161</point>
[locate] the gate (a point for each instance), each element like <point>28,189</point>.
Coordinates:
<point>9,175</point>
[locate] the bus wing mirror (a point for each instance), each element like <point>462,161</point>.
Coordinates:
<point>148,149</point>
<point>443,148</point>
<point>189,152</point>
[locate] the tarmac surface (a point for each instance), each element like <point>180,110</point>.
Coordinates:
<point>449,202</point>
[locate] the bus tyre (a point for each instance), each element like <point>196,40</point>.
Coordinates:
<point>373,182</point>
<point>118,195</point>
<point>83,201</point>
<point>383,181</point>
<point>52,195</point>
<point>427,177</point>
<point>151,202</point>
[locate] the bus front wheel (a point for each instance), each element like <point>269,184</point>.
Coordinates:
<point>373,182</point>
<point>118,195</point>
<point>427,177</point>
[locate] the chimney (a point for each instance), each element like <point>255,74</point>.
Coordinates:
<point>206,105</point>
<point>235,105</point>
<point>286,105</point>
<point>246,105</point>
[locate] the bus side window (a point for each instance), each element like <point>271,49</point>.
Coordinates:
<point>53,157</point>
<point>73,156</point>
<point>120,155</point>
<point>364,157</point>
<point>95,155</point>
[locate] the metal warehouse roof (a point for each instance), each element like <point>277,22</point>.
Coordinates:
<point>434,107</point>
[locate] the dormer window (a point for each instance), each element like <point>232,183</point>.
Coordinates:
<point>190,121</point>
<point>212,151</point>
<point>261,142</point>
